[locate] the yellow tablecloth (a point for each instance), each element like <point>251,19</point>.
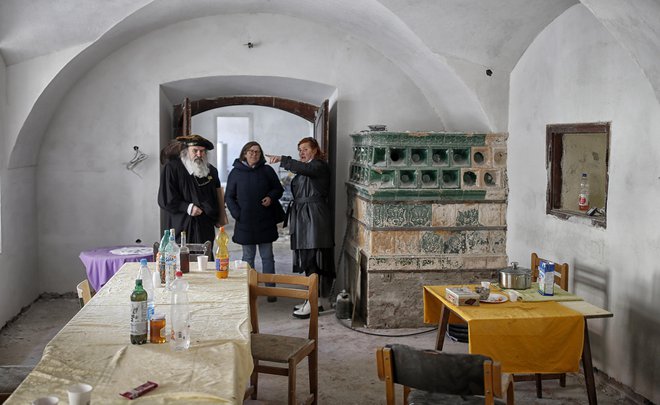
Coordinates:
<point>94,347</point>
<point>526,337</point>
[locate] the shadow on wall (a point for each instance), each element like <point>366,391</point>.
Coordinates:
<point>644,335</point>
<point>593,285</point>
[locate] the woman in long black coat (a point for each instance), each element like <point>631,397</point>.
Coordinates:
<point>252,196</point>
<point>310,220</point>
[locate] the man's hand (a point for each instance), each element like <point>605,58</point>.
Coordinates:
<point>266,201</point>
<point>196,211</point>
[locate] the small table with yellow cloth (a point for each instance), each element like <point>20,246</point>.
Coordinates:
<point>95,348</point>
<point>524,336</point>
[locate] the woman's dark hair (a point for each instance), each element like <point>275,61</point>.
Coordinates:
<point>247,146</point>
<point>315,145</point>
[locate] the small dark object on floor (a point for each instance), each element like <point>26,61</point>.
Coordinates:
<point>271,299</point>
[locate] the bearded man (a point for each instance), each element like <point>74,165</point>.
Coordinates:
<point>190,192</point>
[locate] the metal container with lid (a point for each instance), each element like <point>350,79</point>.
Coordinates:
<point>515,277</point>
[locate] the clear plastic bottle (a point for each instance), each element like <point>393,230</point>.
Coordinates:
<point>160,257</point>
<point>180,316</point>
<point>583,196</point>
<point>172,260</point>
<point>147,284</point>
<point>221,254</point>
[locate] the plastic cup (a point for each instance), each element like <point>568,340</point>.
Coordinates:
<point>46,401</point>
<point>80,394</point>
<point>513,295</point>
<point>202,262</point>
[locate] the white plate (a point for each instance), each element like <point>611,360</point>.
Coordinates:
<point>495,298</point>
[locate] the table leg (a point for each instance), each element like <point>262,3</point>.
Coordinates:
<point>588,367</point>
<point>442,327</point>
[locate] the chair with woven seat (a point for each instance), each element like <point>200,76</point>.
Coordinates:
<point>561,279</point>
<point>442,378</point>
<point>276,350</point>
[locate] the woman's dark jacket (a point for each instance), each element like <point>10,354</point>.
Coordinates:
<point>246,187</point>
<point>310,222</point>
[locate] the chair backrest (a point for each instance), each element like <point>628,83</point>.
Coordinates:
<point>310,292</point>
<point>438,372</point>
<point>84,292</point>
<point>561,271</point>
<point>196,249</point>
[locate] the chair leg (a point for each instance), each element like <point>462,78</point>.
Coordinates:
<point>539,386</point>
<point>562,380</point>
<point>292,383</point>
<point>312,362</point>
<point>254,381</point>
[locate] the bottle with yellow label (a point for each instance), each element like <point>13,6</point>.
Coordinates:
<point>221,254</point>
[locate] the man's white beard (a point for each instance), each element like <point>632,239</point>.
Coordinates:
<point>199,167</point>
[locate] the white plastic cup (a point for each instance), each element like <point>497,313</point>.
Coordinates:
<point>80,394</point>
<point>202,262</point>
<point>46,401</point>
<point>513,295</point>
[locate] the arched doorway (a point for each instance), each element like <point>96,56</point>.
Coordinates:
<point>319,116</point>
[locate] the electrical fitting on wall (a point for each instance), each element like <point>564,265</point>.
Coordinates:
<point>138,158</point>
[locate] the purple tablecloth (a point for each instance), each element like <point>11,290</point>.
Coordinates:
<point>101,265</point>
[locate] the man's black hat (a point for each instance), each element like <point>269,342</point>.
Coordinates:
<point>195,140</point>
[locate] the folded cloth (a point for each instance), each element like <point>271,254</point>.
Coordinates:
<point>132,250</point>
<point>532,294</point>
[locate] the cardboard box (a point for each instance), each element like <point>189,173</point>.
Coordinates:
<point>462,296</point>
<point>546,278</point>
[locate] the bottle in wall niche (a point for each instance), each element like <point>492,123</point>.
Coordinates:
<point>138,314</point>
<point>185,254</point>
<point>583,196</point>
<point>160,257</point>
<point>221,254</point>
<point>180,316</point>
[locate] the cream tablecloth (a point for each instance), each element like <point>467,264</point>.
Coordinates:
<point>94,347</point>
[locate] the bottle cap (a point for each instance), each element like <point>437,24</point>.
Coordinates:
<point>143,262</point>
<point>179,273</point>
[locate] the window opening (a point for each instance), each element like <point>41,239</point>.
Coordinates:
<point>574,149</point>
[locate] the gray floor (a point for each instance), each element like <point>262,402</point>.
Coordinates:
<point>347,366</point>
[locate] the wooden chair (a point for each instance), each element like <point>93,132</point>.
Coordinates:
<point>561,279</point>
<point>439,377</point>
<point>84,292</point>
<point>561,271</point>
<point>287,350</point>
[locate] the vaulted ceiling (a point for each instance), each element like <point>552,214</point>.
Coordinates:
<point>491,33</point>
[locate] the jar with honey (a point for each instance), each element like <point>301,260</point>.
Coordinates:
<point>158,332</point>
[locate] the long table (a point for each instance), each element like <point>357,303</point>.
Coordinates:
<point>94,347</point>
<point>438,309</point>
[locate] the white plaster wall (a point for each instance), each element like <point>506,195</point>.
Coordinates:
<point>27,81</point>
<point>19,247</point>
<point>86,198</point>
<point>576,72</point>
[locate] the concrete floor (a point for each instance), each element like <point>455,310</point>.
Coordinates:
<point>347,366</point>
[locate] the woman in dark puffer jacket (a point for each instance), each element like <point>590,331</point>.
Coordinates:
<point>252,196</point>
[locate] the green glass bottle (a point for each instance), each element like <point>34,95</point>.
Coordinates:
<point>138,314</point>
